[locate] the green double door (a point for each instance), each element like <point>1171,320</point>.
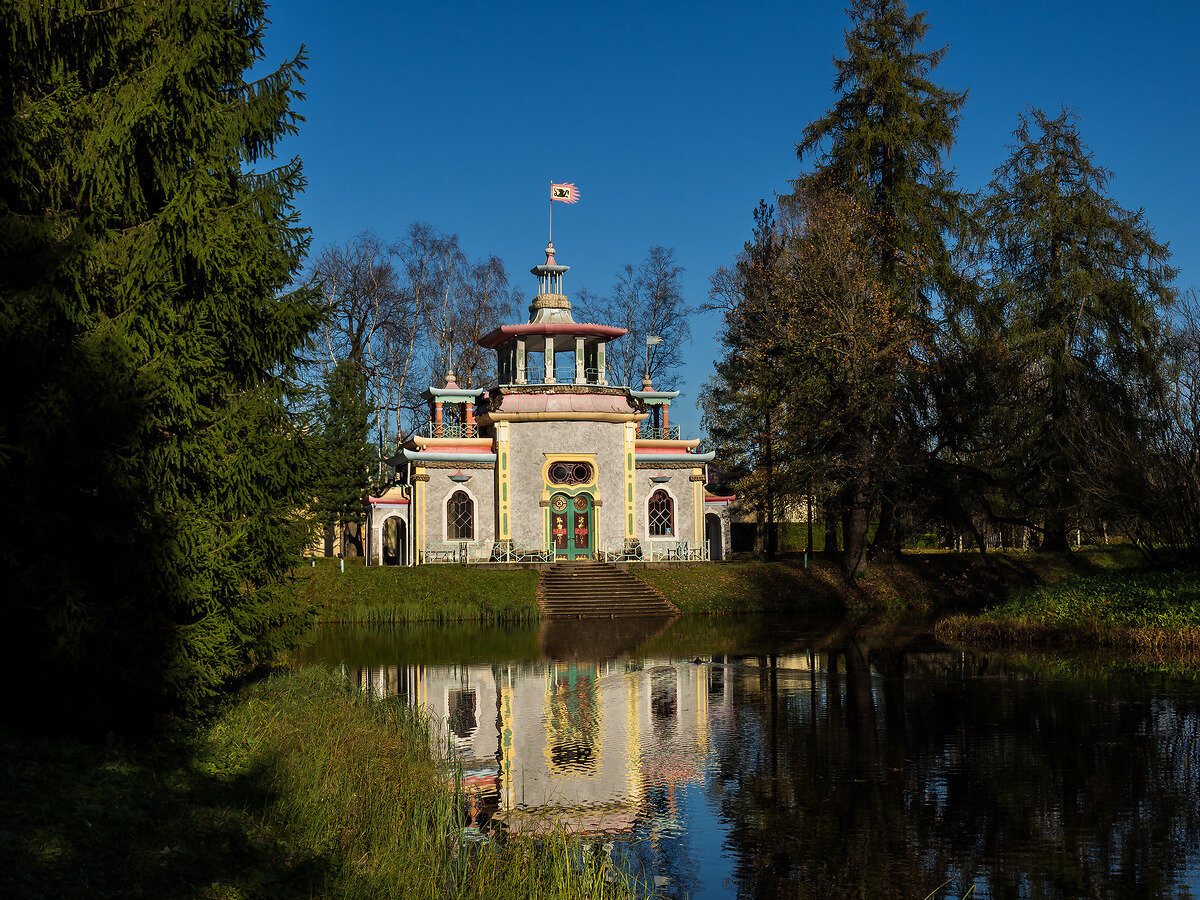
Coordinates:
<point>572,525</point>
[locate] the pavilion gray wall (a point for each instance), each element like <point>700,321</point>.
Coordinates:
<point>529,444</point>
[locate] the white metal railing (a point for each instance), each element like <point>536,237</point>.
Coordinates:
<point>622,550</point>
<point>508,551</point>
<point>634,550</point>
<point>456,552</point>
<point>677,551</point>
<point>480,552</point>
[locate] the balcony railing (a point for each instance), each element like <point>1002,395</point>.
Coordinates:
<point>448,430</point>
<point>590,376</point>
<point>648,432</point>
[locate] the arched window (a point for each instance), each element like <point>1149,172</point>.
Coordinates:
<point>662,514</point>
<point>460,517</point>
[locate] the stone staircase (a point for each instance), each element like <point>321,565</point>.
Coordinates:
<point>594,590</point>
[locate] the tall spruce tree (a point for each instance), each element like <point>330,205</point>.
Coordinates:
<point>1077,286</point>
<point>884,143</point>
<point>151,471</point>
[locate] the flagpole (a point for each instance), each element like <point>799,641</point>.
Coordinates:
<point>551,216</point>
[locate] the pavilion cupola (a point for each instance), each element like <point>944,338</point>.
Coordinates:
<point>550,304</point>
<point>551,348</point>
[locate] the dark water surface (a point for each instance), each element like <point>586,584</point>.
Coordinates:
<point>758,758</point>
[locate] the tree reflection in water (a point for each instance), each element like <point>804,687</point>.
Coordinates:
<point>865,782</point>
<point>827,766</point>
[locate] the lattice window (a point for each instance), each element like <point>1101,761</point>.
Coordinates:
<point>570,473</point>
<point>460,517</point>
<point>662,514</point>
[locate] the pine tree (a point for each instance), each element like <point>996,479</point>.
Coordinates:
<point>1077,288</point>
<point>883,143</point>
<point>151,470</point>
<point>345,457</point>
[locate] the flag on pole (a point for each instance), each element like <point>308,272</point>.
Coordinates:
<point>567,193</point>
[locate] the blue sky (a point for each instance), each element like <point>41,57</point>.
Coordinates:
<point>674,119</point>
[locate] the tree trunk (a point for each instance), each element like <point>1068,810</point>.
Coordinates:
<point>887,536</point>
<point>808,518</point>
<point>829,514</point>
<point>772,531</point>
<point>857,521</point>
<point>1054,538</point>
<point>760,530</point>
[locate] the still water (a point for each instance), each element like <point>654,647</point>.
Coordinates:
<point>748,757</point>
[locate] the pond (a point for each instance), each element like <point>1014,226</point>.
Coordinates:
<point>753,757</point>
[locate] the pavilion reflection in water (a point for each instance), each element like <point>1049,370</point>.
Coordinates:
<point>596,747</point>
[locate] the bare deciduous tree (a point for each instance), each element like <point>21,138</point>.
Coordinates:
<point>362,290</point>
<point>646,300</point>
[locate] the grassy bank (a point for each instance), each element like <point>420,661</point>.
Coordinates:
<point>299,789</point>
<point>916,583</point>
<point>380,595</point>
<point>1156,612</point>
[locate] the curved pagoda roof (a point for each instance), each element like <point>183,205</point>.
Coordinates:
<point>505,333</point>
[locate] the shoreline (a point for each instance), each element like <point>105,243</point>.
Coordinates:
<point>1145,611</point>
<point>964,596</point>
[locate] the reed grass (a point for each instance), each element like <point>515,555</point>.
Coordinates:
<point>391,595</point>
<point>299,788</point>
<point>355,783</point>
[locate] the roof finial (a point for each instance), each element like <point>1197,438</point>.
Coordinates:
<point>550,254</point>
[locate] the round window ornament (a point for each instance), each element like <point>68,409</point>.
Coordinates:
<point>581,504</point>
<point>559,503</point>
<point>570,473</point>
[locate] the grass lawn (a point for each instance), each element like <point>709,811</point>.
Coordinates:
<point>384,595</point>
<point>299,789</point>
<point>1141,611</point>
<point>918,583</point>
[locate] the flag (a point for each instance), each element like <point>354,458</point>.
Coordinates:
<point>567,193</point>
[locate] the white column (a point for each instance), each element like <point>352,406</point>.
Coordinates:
<point>580,374</point>
<point>520,374</point>
<point>549,354</point>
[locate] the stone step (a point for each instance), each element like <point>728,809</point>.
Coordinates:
<point>594,590</point>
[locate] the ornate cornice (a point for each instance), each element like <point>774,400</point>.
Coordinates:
<point>665,465</point>
<point>454,465</point>
<point>421,477</point>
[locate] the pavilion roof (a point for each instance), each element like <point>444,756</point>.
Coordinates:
<point>505,333</point>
